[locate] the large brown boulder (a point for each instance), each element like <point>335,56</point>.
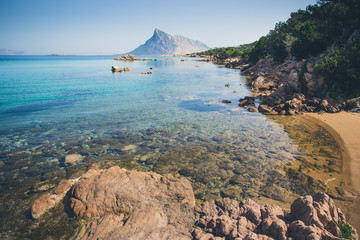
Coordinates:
<point>133,205</point>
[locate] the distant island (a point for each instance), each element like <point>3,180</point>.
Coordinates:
<point>10,52</point>
<point>162,43</point>
<point>57,55</point>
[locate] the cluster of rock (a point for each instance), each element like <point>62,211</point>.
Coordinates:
<point>117,69</point>
<point>126,57</point>
<point>121,204</point>
<point>130,57</point>
<point>289,88</point>
<point>145,73</point>
<point>353,105</point>
<point>310,217</point>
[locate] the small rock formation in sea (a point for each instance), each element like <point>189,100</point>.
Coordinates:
<point>162,43</point>
<point>126,57</point>
<point>145,73</point>
<point>117,69</point>
<point>120,204</point>
<point>129,57</point>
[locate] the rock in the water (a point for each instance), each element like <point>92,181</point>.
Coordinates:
<point>48,201</point>
<point>128,148</point>
<point>252,109</point>
<point>133,205</point>
<point>145,73</point>
<point>247,101</point>
<point>72,158</point>
<point>226,101</point>
<point>117,69</point>
<point>264,109</point>
<point>126,57</point>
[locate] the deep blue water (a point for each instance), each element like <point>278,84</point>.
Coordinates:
<point>51,106</point>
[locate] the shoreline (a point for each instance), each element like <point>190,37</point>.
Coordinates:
<point>345,128</point>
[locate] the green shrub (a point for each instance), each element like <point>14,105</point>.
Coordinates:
<point>346,231</point>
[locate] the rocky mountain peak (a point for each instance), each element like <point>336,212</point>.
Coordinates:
<point>164,43</point>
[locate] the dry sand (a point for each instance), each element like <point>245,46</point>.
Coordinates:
<point>346,126</point>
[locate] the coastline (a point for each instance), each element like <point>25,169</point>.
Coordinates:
<point>345,128</point>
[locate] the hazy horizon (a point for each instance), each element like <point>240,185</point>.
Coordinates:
<point>113,27</point>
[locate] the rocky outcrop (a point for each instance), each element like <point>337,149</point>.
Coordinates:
<point>126,57</point>
<point>310,217</point>
<point>49,201</point>
<point>290,88</point>
<point>353,105</point>
<point>133,205</point>
<point>145,73</point>
<point>120,204</point>
<point>130,57</point>
<point>117,69</point>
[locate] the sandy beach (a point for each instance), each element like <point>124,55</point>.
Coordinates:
<point>345,127</point>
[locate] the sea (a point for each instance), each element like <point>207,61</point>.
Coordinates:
<point>170,121</point>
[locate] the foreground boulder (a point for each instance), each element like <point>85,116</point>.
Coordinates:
<point>120,204</point>
<point>133,205</point>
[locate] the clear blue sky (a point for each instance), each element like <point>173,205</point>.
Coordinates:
<point>117,26</point>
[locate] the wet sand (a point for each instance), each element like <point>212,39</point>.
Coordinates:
<point>345,128</point>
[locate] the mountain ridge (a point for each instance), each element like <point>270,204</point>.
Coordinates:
<point>163,43</point>
<point>4,51</point>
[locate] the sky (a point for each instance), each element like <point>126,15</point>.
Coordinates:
<point>101,27</point>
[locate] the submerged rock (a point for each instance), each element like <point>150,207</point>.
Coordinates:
<point>72,158</point>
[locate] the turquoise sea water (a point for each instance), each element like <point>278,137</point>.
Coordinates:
<point>173,120</point>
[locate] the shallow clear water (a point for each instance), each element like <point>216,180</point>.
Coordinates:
<point>173,118</point>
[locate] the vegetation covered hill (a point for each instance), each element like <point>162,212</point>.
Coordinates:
<point>328,32</point>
